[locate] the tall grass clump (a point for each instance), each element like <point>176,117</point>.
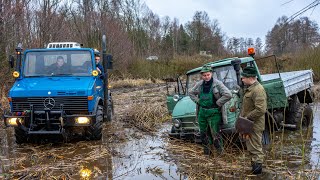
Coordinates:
<point>147,116</point>
<point>162,69</point>
<point>131,82</point>
<point>309,59</point>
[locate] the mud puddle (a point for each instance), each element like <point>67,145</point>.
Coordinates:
<point>121,154</point>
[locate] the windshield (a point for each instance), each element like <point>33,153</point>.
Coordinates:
<point>225,74</point>
<point>192,79</point>
<point>58,63</point>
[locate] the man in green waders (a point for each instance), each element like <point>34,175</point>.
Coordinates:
<point>210,95</point>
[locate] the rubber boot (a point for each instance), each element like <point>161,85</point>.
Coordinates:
<point>207,150</point>
<point>205,144</point>
<point>217,145</point>
<point>256,168</point>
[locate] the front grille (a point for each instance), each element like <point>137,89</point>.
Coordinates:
<point>74,103</point>
<point>188,122</point>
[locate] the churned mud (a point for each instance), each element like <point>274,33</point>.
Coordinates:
<point>139,150</point>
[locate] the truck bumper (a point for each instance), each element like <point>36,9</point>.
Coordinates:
<point>59,124</point>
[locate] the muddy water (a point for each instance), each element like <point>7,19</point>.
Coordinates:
<point>127,153</point>
<point>315,145</point>
<point>124,154</point>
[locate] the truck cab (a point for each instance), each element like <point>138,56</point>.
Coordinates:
<point>58,91</point>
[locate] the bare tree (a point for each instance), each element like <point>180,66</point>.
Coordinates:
<point>204,33</point>
<point>288,37</point>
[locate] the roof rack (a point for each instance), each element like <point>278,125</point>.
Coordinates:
<point>64,45</point>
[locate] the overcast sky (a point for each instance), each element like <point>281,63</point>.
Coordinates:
<point>237,18</point>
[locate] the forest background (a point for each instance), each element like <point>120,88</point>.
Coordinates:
<point>135,33</point>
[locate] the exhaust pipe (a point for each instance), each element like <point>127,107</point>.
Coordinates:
<point>105,80</point>
<point>236,65</point>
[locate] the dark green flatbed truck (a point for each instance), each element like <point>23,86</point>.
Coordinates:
<point>289,97</point>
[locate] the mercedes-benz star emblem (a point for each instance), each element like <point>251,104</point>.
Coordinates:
<point>49,103</point>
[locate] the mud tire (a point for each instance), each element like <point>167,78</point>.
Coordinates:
<point>110,110</point>
<point>302,116</point>
<point>21,135</point>
<point>172,131</point>
<point>94,132</point>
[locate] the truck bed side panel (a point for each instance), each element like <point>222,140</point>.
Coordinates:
<point>275,93</point>
<point>294,82</point>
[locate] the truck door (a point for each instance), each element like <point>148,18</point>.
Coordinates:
<point>173,98</point>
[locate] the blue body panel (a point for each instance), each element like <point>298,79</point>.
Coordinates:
<point>59,86</point>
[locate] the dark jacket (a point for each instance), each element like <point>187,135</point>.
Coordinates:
<point>55,69</point>
<point>101,69</point>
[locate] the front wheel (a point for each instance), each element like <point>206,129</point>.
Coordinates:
<point>21,135</point>
<point>173,132</point>
<point>110,110</point>
<point>94,132</point>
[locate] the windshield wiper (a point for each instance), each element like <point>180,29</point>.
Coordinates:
<point>226,77</point>
<point>62,74</point>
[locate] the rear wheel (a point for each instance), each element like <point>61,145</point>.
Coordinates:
<point>302,116</point>
<point>94,132</point>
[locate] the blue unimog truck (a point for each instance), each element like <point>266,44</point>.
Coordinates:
<point>75,101</point>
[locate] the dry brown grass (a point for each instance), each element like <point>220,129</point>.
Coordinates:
<point>191,160</point>
<point>147,116</point>
<point>316,91</point>
<point>3,100</point>
<point>127,83</point>
<point>63,162</point>
<point>232,164</point>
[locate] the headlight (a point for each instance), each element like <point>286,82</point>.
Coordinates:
<point>82,120</point>
<point>13,121</point>
<point>176,97</point>
<point>177,123</point>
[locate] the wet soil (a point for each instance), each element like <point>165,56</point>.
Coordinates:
<point>127,152</point>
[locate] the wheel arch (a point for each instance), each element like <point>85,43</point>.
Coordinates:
<point>99,102</point>
<point>305,96</point>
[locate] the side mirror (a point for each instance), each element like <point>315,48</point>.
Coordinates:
<point>236,66</point>
<point>11,61</point>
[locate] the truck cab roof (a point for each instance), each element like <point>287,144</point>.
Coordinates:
<point>222,62</point>
<point>58,49</point>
